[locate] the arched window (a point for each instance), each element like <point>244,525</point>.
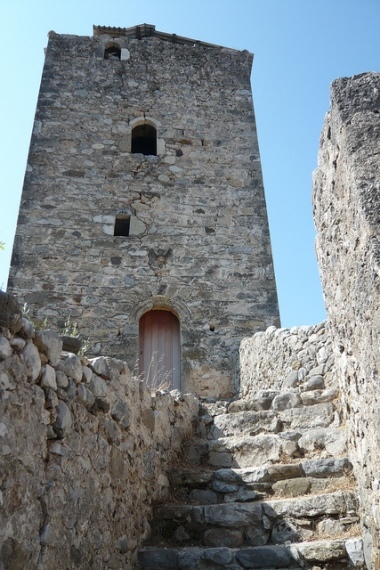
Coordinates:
<point>144,140</point>
<point>160,349</point>
<point>112,52</point>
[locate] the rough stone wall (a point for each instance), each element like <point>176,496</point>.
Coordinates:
<point>347,206</point>
<point>299,358</point>
<point>199,240</point>
<point>84,450</point>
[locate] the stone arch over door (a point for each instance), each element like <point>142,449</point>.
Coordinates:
<point>160,349</point>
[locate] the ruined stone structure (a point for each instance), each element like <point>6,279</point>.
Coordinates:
<point>143,191</point>
<point>143,215</point>
<point>346,210</point>
<point>260,482</point>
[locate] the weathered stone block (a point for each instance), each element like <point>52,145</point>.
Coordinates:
<point>64,419</point>
<point>220,556</point>
<point>203,496</point>
<point>286,400</point>
<point>244,422</point>
<point>71,365</point>
<point>17,343</point>
<point>85,396</point>
<point>320,551</point>
<point>264,557</point>
<point>331,439</point>
<point>326,467</point>
<point>158,558</point>
<point>292,487</point>
<point>61,379</point>
<point>32,361</point>
<point>120,412</point>
<point>5,348</point>
<point>318,415</point>
<point>49,343</point>
<point>233,515</point>
<point>100,366</point>
<point>98,387</point>
<point>10,313</point>
<point>337,503</point>
<point>48,378</point>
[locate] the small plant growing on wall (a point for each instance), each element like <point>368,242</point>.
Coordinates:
<point>70,329</point>
<point>72,341</point>
<point>38,324</point>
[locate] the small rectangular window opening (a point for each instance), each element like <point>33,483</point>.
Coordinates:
<point>122,224</point>
<point>112,52</point>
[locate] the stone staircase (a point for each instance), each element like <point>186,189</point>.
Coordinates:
<point>265,484</point>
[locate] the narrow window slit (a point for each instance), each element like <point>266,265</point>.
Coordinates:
<point>122,224</point>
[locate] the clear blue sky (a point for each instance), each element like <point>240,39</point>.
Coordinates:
<point>300,46</point>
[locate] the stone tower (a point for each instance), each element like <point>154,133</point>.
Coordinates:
<point>143,215</point>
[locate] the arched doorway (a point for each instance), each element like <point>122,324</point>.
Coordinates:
<point>160,349</point>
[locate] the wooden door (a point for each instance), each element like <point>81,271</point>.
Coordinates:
<point>160,349</point>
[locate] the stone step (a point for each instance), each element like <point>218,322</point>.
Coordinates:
<point>263,449</point>
<point>293,411</point>
<point>239,423</point>
<point>252,483</point>
<point>322,555</point>
<point>257,523</point>
<point>308,394</point>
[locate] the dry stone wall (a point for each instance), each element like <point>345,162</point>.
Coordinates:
<point>292,373</point>
<point>84,450</point>
<point>346,209</point>
<point>299,358</point>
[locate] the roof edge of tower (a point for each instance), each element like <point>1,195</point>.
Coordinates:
<point>148,30</point>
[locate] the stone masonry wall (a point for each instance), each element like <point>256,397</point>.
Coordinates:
<point>84,450</point>
<point>299,358</point>
<point>346,207</point>
<point>199,239</point>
